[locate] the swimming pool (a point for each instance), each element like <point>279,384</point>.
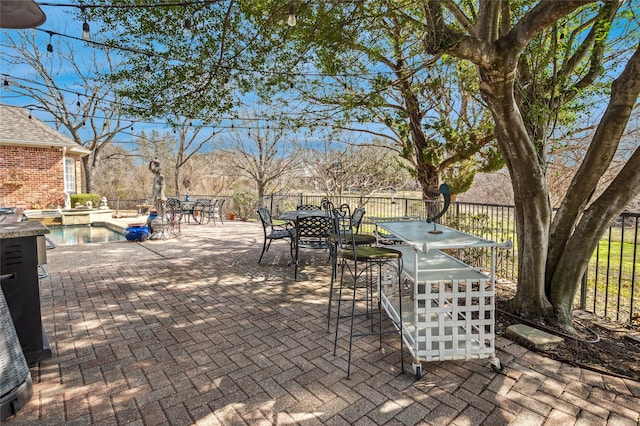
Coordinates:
<point>71,235</point>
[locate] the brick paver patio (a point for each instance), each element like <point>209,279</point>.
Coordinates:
<point>192,331</point>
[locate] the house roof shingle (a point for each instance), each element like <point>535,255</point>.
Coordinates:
<point>16,128</point>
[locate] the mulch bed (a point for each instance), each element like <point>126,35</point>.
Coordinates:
<point>599,345</point>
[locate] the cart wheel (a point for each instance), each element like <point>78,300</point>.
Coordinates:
<point>496,366</point>
<point>417,368</point>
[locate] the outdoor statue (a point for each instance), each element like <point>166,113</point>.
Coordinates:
<point>103,205</point>
<point>432,210</point>
<point>158,187</point>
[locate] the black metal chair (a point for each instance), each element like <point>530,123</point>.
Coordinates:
<point>274,232</point>
<point>196,211</point>
<point>364,266</point>
<point>172,216</point>
<point>312,232</point>
<point>326,205</point>
<point>348,226</point>
<point>209,211</point>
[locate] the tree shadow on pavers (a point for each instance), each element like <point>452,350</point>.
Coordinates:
<point>163,321</point>
<point>211,336</point>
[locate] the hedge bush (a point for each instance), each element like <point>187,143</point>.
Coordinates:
<point>83,198</point>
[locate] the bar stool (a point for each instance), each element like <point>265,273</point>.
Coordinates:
<point>348,226</point>
<point>365,263</point>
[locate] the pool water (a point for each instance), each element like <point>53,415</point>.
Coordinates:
<point>72,235</point>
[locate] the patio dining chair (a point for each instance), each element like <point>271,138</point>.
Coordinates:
<point>210,211</point>
<point>172,217</point>
<point>217,210</point>
<point>312,232</point>
<point>326,205</point>
<point>274,232</point>
<point>196,210</point>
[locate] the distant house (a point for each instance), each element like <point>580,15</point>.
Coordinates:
<point>39,167</point>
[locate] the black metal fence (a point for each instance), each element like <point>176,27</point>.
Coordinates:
<point>140,205</point>
<point>608,289</point>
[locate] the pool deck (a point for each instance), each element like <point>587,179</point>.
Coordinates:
<point>191,330</point>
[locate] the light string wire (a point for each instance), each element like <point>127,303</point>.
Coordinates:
<point>7,77</point>
<point>148,54</point>
<point>165,57</point>
<point>153,54</point>
<point>133,5</point>
<point>167,124</point>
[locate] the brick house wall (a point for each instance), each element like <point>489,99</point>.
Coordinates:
<point>33,177</point>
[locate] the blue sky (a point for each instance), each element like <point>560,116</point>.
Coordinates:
<point>63,20</point>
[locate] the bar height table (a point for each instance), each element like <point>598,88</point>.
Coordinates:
<point>450,311</point>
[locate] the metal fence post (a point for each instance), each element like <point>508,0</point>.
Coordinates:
<point>583,290</point>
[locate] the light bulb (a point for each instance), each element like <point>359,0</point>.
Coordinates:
<point>147,72</point>
<point>50,46</point>
<point>186,30</point>
<point>86,32</point>
<point>292,20</point>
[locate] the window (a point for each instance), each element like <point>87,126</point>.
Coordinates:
<point>69,175</point>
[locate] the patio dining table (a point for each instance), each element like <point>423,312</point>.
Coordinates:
<point>187,209</point>
<point>292,215</point>
<point>194,210</point>
<point>449,311</point>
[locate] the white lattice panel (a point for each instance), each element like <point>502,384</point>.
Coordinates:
<point>448,311</point>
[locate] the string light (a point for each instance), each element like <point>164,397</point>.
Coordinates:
<point>291,21</point>
<point>225,67</point>
<point>186,30</point>
<point>78,102</point>
<point>132,6</point>
<point>50,46</point>
<point>230,125</point>
<point>86,32</point>
<point>147,72</point>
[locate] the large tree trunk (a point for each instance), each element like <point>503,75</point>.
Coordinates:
<point>428,177</point>
<point>573,241</point>
<point>496,50</point>
<point>87,166</point>
<point>533,207</point>
<point>427,172</point>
